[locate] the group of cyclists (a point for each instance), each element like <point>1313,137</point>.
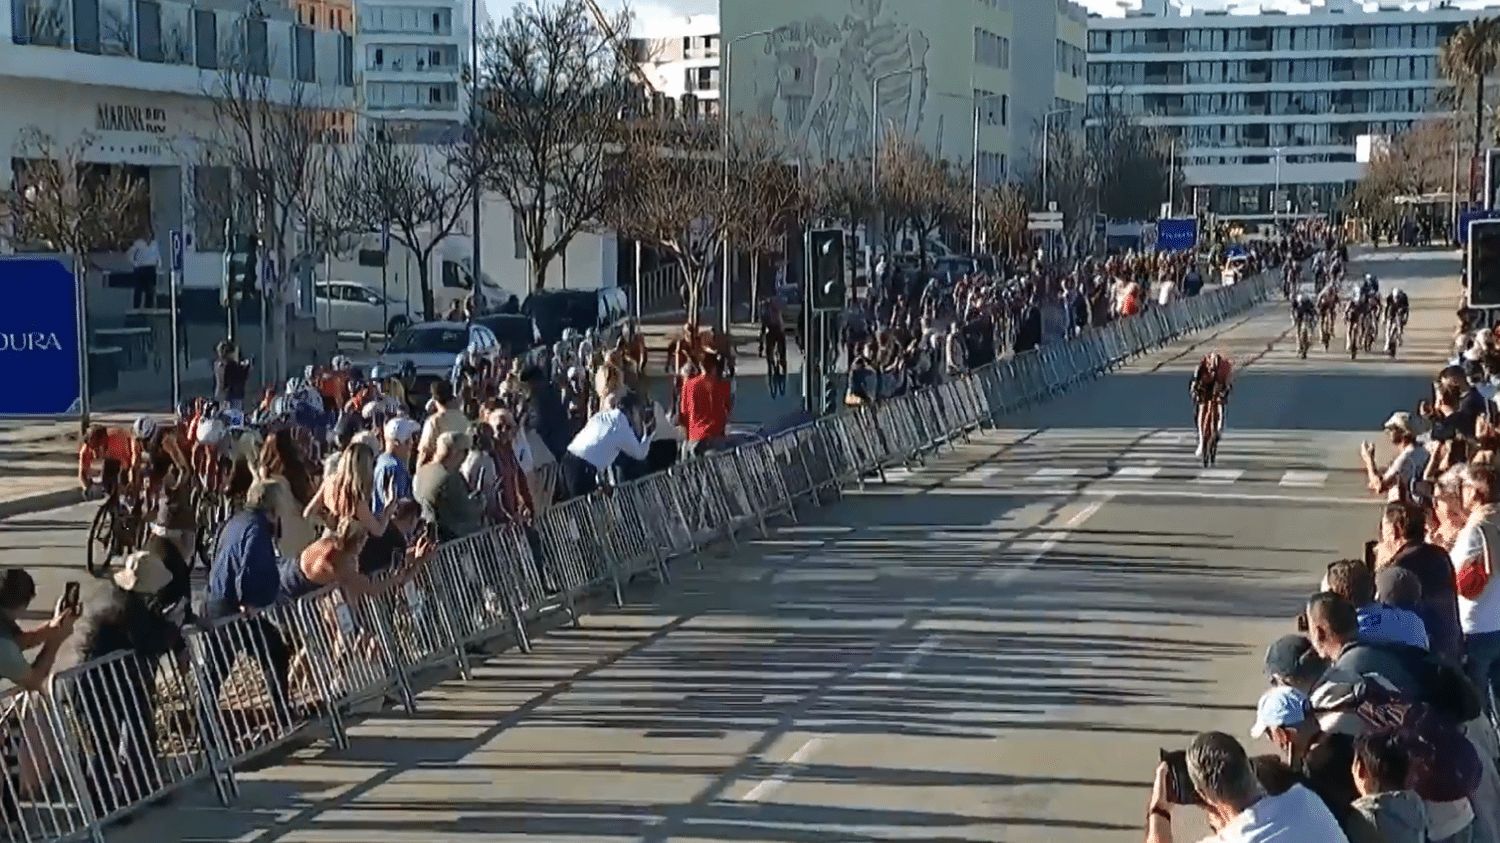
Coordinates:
<point>1366,315</point>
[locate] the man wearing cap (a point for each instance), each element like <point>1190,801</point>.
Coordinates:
<point>1395,481</point>
<point>1325,759</point>
<point>392,478</point>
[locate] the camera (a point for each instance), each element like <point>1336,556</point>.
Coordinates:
<point>1180,790</point>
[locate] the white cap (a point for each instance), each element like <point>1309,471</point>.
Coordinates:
<point>366,438</point>
<point>401,429</point>
<point>1399,421</point>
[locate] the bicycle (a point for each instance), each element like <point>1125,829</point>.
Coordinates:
<point>1211,430</point>
<point>1328,321</point>
<point>1393,337</point>
<point>1304,337</point>
<point>118,528</point>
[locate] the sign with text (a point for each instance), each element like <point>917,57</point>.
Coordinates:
<point>1176,235</point>
<point>40,347</point>
<point>109,117</point>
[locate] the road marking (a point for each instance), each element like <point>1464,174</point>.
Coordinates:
<point>783,774</point>
<point>1055,538</point>
<point>1219,476</point>
<point>984,473</point>
<point>1044,475</point>
<point>1137,472</point>
<point>897,474</point>
<point>1160,491</point>
<point>915,656</point>
<point>1304,479</point>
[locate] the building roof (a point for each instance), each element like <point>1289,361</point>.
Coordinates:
<point>1188,8</point>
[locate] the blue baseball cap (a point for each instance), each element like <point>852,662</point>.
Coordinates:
<point>1278,708</point>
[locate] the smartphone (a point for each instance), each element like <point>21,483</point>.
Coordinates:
<point>1370,554</point>
<point>71,599</point>
<point>1180,790</point>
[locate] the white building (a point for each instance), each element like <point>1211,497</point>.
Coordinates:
<point>680,57</point>
<point>133,78</point>
<point>414,58</point>
<point>1261,100</point>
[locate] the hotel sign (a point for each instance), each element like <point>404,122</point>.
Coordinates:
<point>130,118</point>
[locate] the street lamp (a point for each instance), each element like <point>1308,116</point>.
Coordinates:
<point>1276,195</point>
<point>724,116</point>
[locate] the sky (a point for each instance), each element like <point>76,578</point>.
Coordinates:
<point>648,11</point>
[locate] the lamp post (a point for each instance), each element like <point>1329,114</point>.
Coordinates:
<point>1276,195</point>
<point>478,295</point>
<point>725,113</point>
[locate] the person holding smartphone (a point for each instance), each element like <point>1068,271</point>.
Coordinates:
<point>623,429</point>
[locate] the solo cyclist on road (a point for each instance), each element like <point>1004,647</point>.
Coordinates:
<point>1210,393</point>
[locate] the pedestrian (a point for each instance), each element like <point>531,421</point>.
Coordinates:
<point>1403,528</point>
<point>392,476</point>
<point>705,407</point>
<point>283,479</point>
<point>145,264</point>
<point>1381,766</point>
<point>606,436</point>
<point>439,487</point>
<point>231,374</point>
<point>1474,561</point>
<point>1396,481</point>
<point>1325,760</point>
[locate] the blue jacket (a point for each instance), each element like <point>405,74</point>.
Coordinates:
<point>245,569</point>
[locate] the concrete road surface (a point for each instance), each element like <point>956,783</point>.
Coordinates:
<point>991,647</point>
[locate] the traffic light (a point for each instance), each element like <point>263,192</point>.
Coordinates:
<point>826,270</point>
<point>1484,263</point>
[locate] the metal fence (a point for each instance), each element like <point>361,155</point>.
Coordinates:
<point>115,735</point>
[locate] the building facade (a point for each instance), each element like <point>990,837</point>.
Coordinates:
<point>128,84</point>
<point>831,71</point>
<point>680,58</point>
<point>1268,108</point>
<point>414,58</point>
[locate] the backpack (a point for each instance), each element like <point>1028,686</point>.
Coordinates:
<point>1444,764</point>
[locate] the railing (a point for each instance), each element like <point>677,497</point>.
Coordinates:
<point>117,734</point>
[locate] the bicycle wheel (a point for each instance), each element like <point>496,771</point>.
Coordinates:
<point>101,542</point>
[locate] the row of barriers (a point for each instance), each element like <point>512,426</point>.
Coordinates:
<point>112,736</point>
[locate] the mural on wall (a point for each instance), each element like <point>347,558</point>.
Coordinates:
<point>813,76</point>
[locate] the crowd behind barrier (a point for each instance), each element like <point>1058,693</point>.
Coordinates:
<point>113,736</point>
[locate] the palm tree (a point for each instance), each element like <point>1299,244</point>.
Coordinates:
<point>1469,55</point>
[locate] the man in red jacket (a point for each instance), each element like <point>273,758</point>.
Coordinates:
<point>705,406</point>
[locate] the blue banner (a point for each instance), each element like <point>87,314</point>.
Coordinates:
<point>39,342</point>
<point>1176,235</point>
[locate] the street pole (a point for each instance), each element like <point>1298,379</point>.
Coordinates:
<point>974,185</point>
<point>1172,178</point>
<point>1276,197</point>
<point>478,296</point>
<point>1453,196</point>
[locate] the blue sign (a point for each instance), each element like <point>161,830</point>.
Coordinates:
<point>176,250</point>
<point>39,342</point>
<point>1176,235</point>
<point>1466,217</point>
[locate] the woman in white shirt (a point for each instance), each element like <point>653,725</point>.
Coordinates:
<point>1475,551</point>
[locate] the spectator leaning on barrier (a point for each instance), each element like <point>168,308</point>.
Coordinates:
<point>705,407</point>
<point>1352,580</point>
<point>1474,560</point>
<point>390,548</point>
<point>1381,767</point>
<point>1324,759</point>
<point>17,590</point>
<point>603,439</point>
<point>446,501</point>
<point>1403,530</point>
<point>1405,469</point>
<point>1237,807</point>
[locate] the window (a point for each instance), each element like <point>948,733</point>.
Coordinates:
<point>258,59</point>
<point>206,38</point>
<point>304,57</point>
<point>991,50</point>
<point>148,31</point>
<point>211,192</point>
<point>346,60</point>
<point>86,26</point>
<point>379,57</point>
<point>437,23</point>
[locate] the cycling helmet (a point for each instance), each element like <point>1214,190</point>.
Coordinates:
<point>234,418</point>
<point>211,432</point>
<point>342,363</point>
<point>143,427</point>
<point>1396,292</point>
<point>309,373</point>
<point>211,410</point>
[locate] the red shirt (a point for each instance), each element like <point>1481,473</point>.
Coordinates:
<point>705,407</point>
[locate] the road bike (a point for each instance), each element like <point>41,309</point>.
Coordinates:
<point>1393,335</point>
<point>1328,320</point>
<point>1304,337</point>
<point>1213,428</point>
<point>774,349</point>
<point>118,528</point>
<point>1354,329</point>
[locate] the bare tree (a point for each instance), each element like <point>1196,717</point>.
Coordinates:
<point>918,191</point>
<point>552,91</point>
<point>673,194</point>
<point>61,203</point>
<point>1415,163</point>
<point>1133,165</point>
<point>1004,218</point>
<point>840,191</point>
<point>278,139</point>
<point>774,197</point>
<point>422,192</point>
<point>1072,180</point>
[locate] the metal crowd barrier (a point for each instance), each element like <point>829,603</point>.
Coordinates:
<point>117,734</point>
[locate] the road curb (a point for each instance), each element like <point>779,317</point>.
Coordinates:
<point>40,502</point>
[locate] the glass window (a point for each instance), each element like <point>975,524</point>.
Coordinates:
<point>211,196</point>
<point>86,26</point>
<point>258,58</point>
<point>304,57</point>
<point>148,31</point>
<point>206,39</point>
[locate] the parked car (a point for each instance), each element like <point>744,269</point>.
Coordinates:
<point>517,334</point>
<point>554,311</point>
<point>352,306</point>
<point>432,348</point>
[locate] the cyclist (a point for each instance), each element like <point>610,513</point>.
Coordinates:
<point>1370,286</point>
<point>114,449</point>
<point>1304,319</point>
<point>1328,306</point>
<point>773,343</point>
<point>1397,306</point>
<point>1209,390</point>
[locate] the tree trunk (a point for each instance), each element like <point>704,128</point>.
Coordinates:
<point>754,282</point>
<point>424,281</point>
<point>538,272</point>
<point>1478,130</point>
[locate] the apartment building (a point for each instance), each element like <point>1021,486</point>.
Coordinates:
<point>1268,108</point>
<point>131,78</point>
<point>414,58</point>
<point>680,59</point>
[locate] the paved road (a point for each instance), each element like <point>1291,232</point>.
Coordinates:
<point>991,647</point>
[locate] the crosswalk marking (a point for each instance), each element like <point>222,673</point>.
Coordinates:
<point>1304,479</point>
<point>1219,475</point>
<point>984,473</point>
<point>1137,472</point>
<point>1044,475</point>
